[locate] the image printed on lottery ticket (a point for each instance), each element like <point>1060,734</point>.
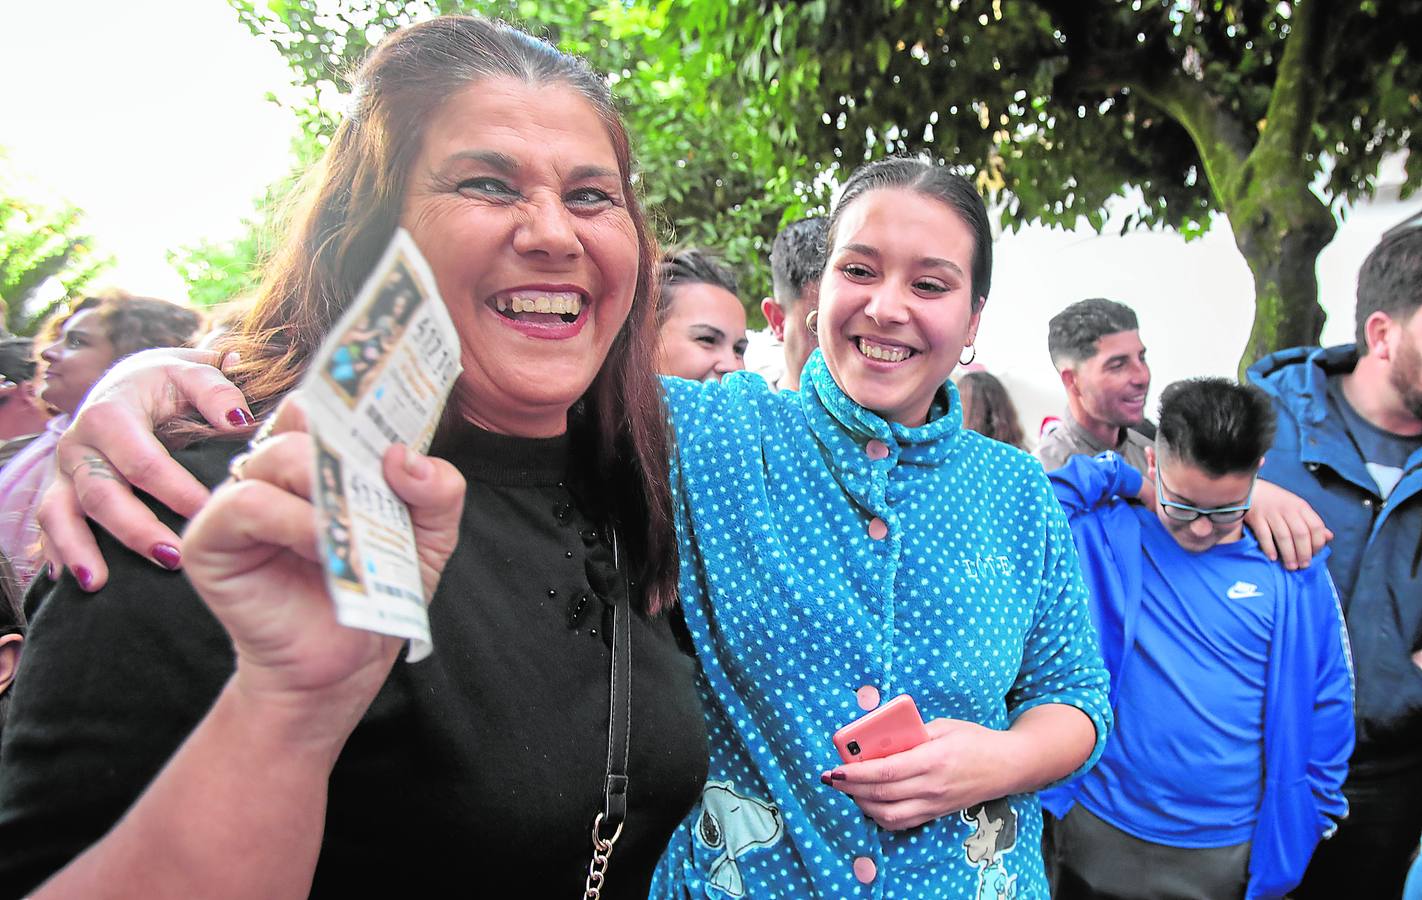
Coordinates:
<point>382,377</point>
<point>362,349</point>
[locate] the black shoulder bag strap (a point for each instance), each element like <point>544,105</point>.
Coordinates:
<point>619,728</point>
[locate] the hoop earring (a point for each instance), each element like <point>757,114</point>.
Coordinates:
<point>972,356</point>
<point>812,321</point>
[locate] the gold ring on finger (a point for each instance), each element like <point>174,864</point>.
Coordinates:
<point>234,466</point>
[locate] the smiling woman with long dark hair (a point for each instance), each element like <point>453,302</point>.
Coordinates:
<point>851,541</point>
<point>244,744</point>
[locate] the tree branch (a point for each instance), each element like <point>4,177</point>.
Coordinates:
<point>1221,141</point>
<point>1293,103</point>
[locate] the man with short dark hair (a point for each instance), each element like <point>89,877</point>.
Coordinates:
<point>797,259</point>
<point>1350,443</point>
<point>1096,347</point>
<point>1230,678</point>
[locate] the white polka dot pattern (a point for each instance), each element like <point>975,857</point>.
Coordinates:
<point>972,602</point>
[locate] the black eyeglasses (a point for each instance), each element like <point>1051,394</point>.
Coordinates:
<point>1184,512</point>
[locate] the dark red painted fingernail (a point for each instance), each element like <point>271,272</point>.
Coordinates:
<point>168,556</point>
<point>825,779</point>
<point>52,572</point>
<point>837,776</point>
<point>85,577</point>
<point>240,418</point>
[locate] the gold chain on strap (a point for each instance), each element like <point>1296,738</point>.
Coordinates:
<point>602,851</point>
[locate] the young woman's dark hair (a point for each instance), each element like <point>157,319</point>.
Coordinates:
<point>938,182</point>
<point>690,265</point>
<point>349,210</point>
<point>988,409</point>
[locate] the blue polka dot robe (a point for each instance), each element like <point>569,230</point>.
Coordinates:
<point>971,600</point>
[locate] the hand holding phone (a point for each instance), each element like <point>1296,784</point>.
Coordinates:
<point>892,728</point>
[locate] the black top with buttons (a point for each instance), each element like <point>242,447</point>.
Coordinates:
<point>475,772</point>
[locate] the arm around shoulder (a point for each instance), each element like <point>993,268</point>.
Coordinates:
<point>110,450</point>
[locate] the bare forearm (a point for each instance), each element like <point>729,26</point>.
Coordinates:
<point>238,811</point>
<point>1048,742</point>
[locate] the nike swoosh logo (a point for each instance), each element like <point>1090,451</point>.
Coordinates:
<point>1242,590</point>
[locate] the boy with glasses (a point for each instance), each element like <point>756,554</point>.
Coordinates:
<point>1230,676</point>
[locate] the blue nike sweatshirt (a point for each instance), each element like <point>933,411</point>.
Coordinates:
<point>1308,706</point>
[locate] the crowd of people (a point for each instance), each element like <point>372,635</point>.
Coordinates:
<point>1178,658</point>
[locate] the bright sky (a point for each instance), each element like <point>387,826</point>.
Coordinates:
<point>150,115</point>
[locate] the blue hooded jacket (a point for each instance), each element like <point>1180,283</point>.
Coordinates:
<point>1308,710</point>
<point>1376,549</point>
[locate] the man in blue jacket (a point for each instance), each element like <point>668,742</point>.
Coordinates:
<point>1230,678</point>
<point>1350,443</point>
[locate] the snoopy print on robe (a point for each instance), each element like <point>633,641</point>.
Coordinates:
<point>734,824</point>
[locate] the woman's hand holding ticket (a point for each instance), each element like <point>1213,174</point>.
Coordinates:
<point>252,553</point>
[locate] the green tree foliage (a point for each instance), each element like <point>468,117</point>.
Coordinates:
<point>1237,106</point>
<point>217,272</point>
<point>39,242</point>
<point>712,172</point>
<point>744,111</point>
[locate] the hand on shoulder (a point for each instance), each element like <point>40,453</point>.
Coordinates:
<point>1286,526</point>
<point>110,449</point>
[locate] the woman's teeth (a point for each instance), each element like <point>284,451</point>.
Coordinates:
<point>881,352</point>
<point>561,304</point>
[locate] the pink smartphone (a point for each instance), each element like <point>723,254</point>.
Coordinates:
<point>892,728</point>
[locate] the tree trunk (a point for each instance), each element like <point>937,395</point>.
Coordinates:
<point>1281,230</point>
